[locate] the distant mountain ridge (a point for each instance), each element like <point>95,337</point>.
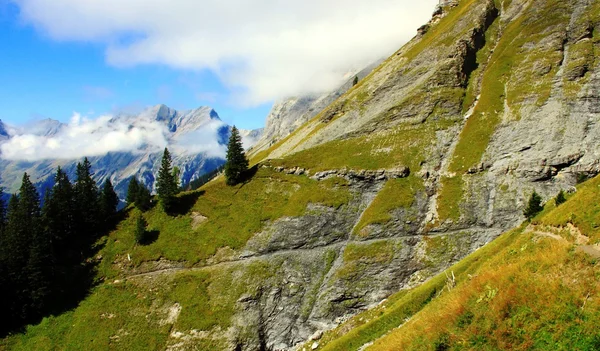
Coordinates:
<point>197,139</point>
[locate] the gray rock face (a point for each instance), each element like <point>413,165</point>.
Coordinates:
<point>546,138</point>
<point>325,272</point>
<point>289,114</point>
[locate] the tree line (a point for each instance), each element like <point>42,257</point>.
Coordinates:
<point>45,250</point>
<point>47,247</point>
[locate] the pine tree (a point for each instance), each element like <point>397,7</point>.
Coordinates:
<point>140,229</point>
<point>534,206</point>
<point>560,198</point>
<point>166,184</point>
<point>59,214</point>
<point>143,199</point>
<point>132,191</point>
<point>37,257</point>
<point>108,202</point>
<point>237,164</point>
<point>86,202</point>
<point>355,81</point>
<point>2,211</point>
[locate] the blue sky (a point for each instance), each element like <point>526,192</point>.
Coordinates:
<point>96,57</point>
<point>45,78</point>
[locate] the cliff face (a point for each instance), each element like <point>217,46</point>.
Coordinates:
<point>289,114</point>
<point>493,99</point>
<point>429,157</point>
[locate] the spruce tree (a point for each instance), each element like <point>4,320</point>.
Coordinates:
<point>534,206</point>
<point>140,229</point>
<point>143,198</point>
<point>355,81</point>
<point>132,191</point>
<point>38,260</point>
<point>108,202</point>
<point>237,164</point>
<point>59,214</point>
<point>15,250</point>
<point>86,201</point>
<point>166,184</point>
<point>2,211</point>
<point>560,198</point>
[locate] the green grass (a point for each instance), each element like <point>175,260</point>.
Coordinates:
<point>517,293</point>
<point>406,145</point>
<point>373,324</point>
<point>511,63</point>
<point>134,314</point>
<point>234,215</point>
<point>582,210</point>
<point>396,193</point>
<point>524,297</point>
<point>450,198</point>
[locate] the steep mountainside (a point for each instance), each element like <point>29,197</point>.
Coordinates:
<point>289,114</point>
<point>197,139</point>
<point>533,288</point>
<point>428,158</point>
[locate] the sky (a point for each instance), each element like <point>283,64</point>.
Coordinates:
<point>59,58</point>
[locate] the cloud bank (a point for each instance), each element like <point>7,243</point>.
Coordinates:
<point>97,137</point>
<point>261,49</point>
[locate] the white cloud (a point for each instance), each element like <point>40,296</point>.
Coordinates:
<point>96,137</point>
<point>86,137</point>
<point>203,140</point>
<point>262,49</point>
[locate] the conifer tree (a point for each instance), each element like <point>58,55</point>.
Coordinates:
<point>560,198</point>
<point>237,164</point>
<point>534,206</point>
<point>59,214</point>
<point>86,202</point>
<point>2,211</point>
<point>143,198</point>
<point>355,81</point>
<point>37,259</point>
<point>132,191</point>
<point>166,184</point>
<point>108,202</point>
<point>140,229</point>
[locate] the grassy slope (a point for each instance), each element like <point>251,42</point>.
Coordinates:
<point>233,214</point>
<point>134,314</point>
<point>520,292</point>
<point>397,193</point>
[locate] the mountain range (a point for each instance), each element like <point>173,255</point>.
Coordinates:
<point>196,138</point>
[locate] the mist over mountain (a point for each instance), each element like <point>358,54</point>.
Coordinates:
<point>119,147</point>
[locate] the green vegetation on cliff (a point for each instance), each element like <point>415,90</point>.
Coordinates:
<point>532,288</point>
<point>219,216</point>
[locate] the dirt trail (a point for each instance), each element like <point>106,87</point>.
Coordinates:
<point>338,245</point>
<point>581,240</point>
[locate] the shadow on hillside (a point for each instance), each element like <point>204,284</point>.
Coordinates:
<point>74,283</point>
<point>247,177</point>
<point>185,202</point>
<point>150,237</point>
<point>249,174</point>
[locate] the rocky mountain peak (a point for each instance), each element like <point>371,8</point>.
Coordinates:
<point>3,131</point>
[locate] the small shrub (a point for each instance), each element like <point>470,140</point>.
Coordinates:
<point>140,229</point>
<point>560,198</point>
<point>534,206</point>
